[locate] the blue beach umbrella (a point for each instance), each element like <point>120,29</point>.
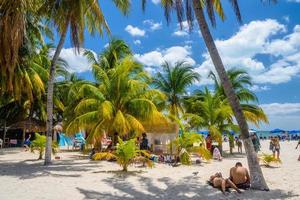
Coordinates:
<point>293,131</point>
<point>277,130</point>
<point>203,132</point>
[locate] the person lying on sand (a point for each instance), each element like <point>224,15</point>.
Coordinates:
<point>218,181</point>
<point>239,175</point>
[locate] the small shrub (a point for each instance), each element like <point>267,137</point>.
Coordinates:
<point>267,159</point>
<point>39,144</point>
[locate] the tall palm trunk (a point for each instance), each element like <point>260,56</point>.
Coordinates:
<point>50,97</point>
<point>257,178</point>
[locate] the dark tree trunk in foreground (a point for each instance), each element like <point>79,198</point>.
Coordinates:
<point>257,179</point>
<point>48,150</point>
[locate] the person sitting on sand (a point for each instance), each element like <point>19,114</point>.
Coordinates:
<point>239,175</point>
<point>217,181</point>
<point>217,154</point>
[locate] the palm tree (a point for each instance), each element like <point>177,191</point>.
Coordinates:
<point>241,82</point>
<point>210,111</point>
<point>214,6</point>
<point>174,82</point>
<point>15,20</point>
<point>116,50</point>
<point>76,16</point>
<point>118,105</point>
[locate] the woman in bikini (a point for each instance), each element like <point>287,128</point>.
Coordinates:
<point>218,181</point>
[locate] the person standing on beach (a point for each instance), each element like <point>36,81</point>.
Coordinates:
<point>239,144</point>
<point>208,141</point>
<point>276,148</point>
<point>256,143</point>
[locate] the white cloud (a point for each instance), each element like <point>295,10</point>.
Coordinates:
<point>281,115</point>
<point>137,42</point>
<point>77,62</point>
<point>294,1</point>
<point>153,25</point>
<point>173,54</point>
<point>258,88</point>
<point>135,31</point>
<point>156,1</point>
<point>254,39</point>
<point>182,31</point>
<point>286,18</point>
<point>281,109</point>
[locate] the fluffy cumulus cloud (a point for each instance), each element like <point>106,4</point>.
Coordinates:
<point>152,24</point>
<point>255,39</point>
<point>183,30</point>
<point>281,109</point>
<point>77,62</point>
<point>137,42</point>
<point>172,54</point>
<point>282,115</point>
<point>135,31</point>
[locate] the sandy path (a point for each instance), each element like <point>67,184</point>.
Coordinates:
<point>22,177</point>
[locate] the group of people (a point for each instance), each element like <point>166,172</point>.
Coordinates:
<point>239,178</point>
<point>213,148</point>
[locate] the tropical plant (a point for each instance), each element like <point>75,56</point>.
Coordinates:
<point>187,143</point>
<point>267,159</point>
<point>117,105</point>
<point>174,82</point>
<point>126,154</point>
<point>116,50</point>
<point>77,16</point>
<point>241,82</point>
<point>39,145</point>
<point>214,7</point>
<point>15,22</point>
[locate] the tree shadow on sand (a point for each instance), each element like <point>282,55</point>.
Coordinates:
<point>29,169</point>
<point>187,188</point>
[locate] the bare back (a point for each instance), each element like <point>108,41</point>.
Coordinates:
<point>239,175</point>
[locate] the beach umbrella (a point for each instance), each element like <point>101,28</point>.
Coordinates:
<point>203,132</point>
<point>293,131</point>
<point>277,130</point>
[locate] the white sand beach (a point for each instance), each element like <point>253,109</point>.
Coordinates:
<point>75,177</point>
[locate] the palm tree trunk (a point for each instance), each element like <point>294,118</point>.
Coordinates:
<point>50,97</point>
<point>257,178</point>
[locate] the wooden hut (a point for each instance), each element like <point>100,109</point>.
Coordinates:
<point>160,135</point>
<point>28,126</point>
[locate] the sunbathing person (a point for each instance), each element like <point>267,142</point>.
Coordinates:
<point>218,181</point>
<point>239,175</point>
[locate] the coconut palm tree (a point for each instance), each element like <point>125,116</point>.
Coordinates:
<point>117,49</point>
<point>15,20</point>
<point>209,110</point>
<point>77,16</point>
<point>174,82</point>
<point>213,7</point>
<point>241,83</point>
<point>117,105</point>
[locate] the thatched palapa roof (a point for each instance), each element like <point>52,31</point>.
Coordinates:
<point>29,125</point>
<point>161,127</point>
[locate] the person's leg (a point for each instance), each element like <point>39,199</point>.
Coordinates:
<point>223,186</point>
<point>278,154</point>
<point>232,185</point>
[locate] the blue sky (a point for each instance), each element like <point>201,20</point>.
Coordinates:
<point>267,45</point>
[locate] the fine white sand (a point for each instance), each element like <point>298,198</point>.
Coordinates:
<point>75,177</point>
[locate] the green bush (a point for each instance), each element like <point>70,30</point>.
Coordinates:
<point>267,159</point>
<point>39,144</point>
